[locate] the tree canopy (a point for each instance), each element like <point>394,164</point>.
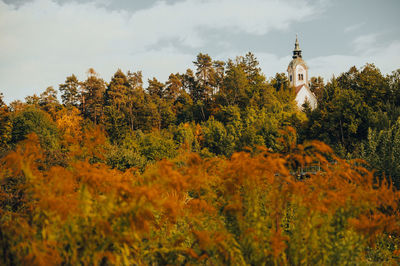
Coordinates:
<point>214,166</point>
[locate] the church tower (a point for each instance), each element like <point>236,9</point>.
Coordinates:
<point>298,78</point>
<point>297,69</point>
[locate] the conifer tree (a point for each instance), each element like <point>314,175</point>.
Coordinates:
<point>70,91</point>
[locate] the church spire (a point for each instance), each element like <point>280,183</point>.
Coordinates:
<point>296,51</point>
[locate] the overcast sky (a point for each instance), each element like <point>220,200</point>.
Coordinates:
<point>44,41</point>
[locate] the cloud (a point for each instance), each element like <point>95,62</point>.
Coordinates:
<point>365,43</point>
<point>183,19</point>
<point>354,27</point>
<point>386,58</point>
<point>43,41</point>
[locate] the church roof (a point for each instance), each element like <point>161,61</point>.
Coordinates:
<point>297,58</point>
<point>297,61</point>
<point>298,88</point>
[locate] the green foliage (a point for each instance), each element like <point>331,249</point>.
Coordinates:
<point>156,145</point>
<point>216,138</point>
<point>317,87</point>
<point>71,91</point>
<point>93,89</point>
<point>185,137</point>
<point>5,126</point>
<point>34,120</point>
<point>234,90</point>
<point>382,152</point>
<point>126,155</point>
<point>350,104</point>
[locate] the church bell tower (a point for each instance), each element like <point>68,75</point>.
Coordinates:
<point>297,69</point>
<point>298,78</point>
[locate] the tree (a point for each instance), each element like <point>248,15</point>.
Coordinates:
<point>173,87</point>
<point>2,103</point>
<point>155,88</point>
<point>280,82</point>
<point>48,100</point>
<point>394,87</point>
<point>251,68</point>
<point>140,106</point>
<point>219,67</point>
<point>216,138</point>
<point>205,75</point>
<point>93,96</point>
<point>205,86</point>
<point>184,108</point>
<point>135,79</point>
<point>5,125</point>
<point>382,151</point>
<point>70,91</point>
<point>117,91</point>
<point>317,87</point>
<point>156,145</point>
<point>369,82</point>
<point>34,120</point>
<point>126,154</point>
<point>235,86</point>
<point>341,120</point>
<point>32,100</point>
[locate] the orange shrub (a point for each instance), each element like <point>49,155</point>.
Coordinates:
<point>249,209</point>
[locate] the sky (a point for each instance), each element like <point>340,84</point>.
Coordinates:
<point>44,41</point>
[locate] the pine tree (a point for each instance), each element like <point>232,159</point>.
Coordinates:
<point>70,91</point>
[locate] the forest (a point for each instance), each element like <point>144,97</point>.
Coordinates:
<point>214,166</point>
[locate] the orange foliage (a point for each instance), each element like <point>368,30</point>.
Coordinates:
<point>246,209</point>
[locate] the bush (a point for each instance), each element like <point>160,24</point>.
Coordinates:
<point>248,209</point>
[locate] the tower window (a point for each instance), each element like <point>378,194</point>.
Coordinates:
<point>301,77</point>
<point>290,77</point>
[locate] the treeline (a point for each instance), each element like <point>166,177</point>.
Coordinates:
<point>217,109</point>
<point>202,169</point>
<point>223,107</point>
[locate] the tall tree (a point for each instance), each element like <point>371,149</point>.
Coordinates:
<point>251,68</point>
<point>382,152</point>
<point>174,87</point>
<point>317,87</point>
<point>280,82</point>
<point>117,91</point>
<point>70,91</point>
<point>205,75</point>
<point>219,74</point>
<point>135,79</point>
<point>33,99</point>
<point>5,125</point>
<point>235,86</point>
<point>93,90</point>
<point>155,88</point>
<point>369,82</point>
<point>394,87</point>
<point>48,100</point>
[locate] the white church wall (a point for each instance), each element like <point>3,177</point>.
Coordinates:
<point>303,95</point>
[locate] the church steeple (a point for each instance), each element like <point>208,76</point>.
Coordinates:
<point>298,78</point>
<point>297,69</point>
<point>296,51</point>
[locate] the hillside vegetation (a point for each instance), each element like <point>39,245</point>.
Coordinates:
<point>206,168</point>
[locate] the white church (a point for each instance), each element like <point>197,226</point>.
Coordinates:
<point>298,78</point>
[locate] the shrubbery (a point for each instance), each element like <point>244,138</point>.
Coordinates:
<point>248,209</point>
